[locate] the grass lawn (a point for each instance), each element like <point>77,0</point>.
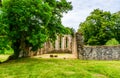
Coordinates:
<point>59,68</point>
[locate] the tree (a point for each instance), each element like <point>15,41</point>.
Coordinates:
<point>4,42</point>
<point>30,23</point>
<point>116,26</point>
<point>97,29</point>
<point>55,26</point>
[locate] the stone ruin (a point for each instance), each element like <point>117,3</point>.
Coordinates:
<point>96,52</point>
<point>63,44</point>
<point>75,45</point>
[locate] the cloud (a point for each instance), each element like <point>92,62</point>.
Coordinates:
<point>82,8</point>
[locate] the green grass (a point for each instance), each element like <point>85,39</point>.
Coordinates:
<point>59,68</point>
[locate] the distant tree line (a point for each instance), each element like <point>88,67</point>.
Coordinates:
<point>100,27</point>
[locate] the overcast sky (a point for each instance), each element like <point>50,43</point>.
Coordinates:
<point>82,8</point>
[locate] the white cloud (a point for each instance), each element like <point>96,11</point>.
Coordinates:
<point>82,8</point>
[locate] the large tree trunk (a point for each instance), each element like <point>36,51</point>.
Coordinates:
<point>24,52</point>
<point>18,53</point>
<point>20,50</point>
<point>15,55</point>
<point>24,49</point>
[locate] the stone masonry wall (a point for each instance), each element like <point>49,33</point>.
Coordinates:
<point>96,52</point>
<point>63,44</point>
<point>101,52</point>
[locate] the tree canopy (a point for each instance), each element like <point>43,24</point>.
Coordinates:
<point>30,23</point>
<point>100,27</point>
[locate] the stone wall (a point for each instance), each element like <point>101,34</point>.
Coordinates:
<point>96,52</point>
<point>101,52</point>
<point>79,44</point>
<point>63,44</point>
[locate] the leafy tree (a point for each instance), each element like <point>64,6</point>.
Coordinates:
<point>55,26</point>
<point>97,28</point>
<point>116,26</point>
<point>4,42</point>
<point>30,23</point>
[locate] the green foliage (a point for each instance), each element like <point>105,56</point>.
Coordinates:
<point>93,41</point>
<point>4,41</point>
<point>4,45</point>
<point>100,27</point>
<point>113,41</point>
<point>30,23</point>
<point>116,26</point>
<point>70,31</point>
<point>55,26</point>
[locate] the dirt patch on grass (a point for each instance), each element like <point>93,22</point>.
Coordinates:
<point>62,56</point>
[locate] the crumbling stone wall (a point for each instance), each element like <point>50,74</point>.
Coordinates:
<point>63,44</point>
<point>79,43</point>
<point>96,52</point>
<point>101,52</point>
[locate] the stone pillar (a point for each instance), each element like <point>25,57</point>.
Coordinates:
<point>51,47</point>
<point>80,45</point>
<point>74,46</point>
<point>44,48</point>
<point>38,52</point>
<point>57,44</point>
<point>63,43</point>
<point>41,51</point>
<point>47,46</point>
<point>69,43</point>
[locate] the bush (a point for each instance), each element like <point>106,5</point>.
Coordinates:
<point>1,52</point>
<point>93,41</point>
<point>113,41</point>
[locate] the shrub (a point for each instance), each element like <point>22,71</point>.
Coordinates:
<point>93,41</point>
<point>113,41</point>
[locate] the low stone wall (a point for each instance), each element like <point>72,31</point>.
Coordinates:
<point>96,52</point>
<point>101,53</point>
